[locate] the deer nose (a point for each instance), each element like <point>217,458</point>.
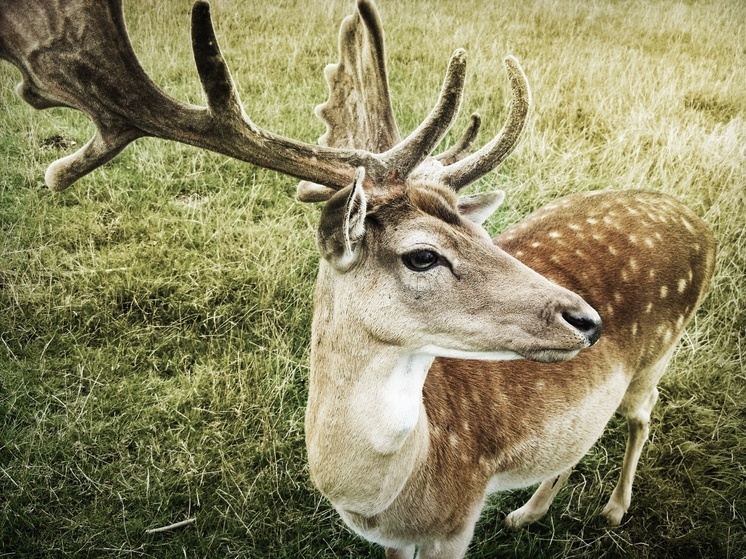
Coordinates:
<point>589,325</point>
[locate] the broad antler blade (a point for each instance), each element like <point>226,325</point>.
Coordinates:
<point>472,168</point>
<point>39,40</point>
<point>358,113</point>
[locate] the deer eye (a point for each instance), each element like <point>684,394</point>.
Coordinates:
<point>420,260</point>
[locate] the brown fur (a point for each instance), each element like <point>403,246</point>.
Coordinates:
<point>644,261</point>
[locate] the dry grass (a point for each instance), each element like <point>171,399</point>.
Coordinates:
<point>154,319</point>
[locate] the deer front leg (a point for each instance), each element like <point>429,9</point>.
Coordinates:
<point>638,424</point>
<point>538,504</point>
<point>454,548</point>
<point>400,553</point>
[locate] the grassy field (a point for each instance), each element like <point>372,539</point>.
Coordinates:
<point>155,318</point>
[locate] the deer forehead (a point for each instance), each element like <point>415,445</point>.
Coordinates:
<point>424,214</point>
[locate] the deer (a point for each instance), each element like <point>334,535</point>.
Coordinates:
<point>444,365</point>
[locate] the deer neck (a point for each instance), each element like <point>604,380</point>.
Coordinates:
<point>366,427</point>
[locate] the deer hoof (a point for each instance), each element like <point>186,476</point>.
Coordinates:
<point>613,513</point>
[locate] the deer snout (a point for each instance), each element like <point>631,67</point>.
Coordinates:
<point>587,322</point>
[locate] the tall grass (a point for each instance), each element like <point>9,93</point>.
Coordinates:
<point>154,319</point>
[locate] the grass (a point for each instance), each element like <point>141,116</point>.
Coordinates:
<point>155,318</point>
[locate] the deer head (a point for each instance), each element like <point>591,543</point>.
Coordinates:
<point>413,249</point>
<point>387,197</point>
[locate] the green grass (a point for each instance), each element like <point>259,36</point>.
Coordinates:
<point>155,318</point>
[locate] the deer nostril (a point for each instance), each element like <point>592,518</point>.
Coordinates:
<point>589,326</point>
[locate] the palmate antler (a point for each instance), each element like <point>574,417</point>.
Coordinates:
<point>77,54</point>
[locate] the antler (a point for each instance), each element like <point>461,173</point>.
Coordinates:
<point>474,167</point>
<point>77,54</point>
<point>358,112</point>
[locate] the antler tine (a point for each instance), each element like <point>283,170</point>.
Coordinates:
<point>217,83</point>
<point>405,157</point>
<point>472,168</point>
<point>107,142</point>
<point>460,149</point>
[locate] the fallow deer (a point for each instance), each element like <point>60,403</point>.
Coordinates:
<point>444,366</point>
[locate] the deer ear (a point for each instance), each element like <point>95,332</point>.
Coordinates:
<point>479,207</point>
<point>342,225</point>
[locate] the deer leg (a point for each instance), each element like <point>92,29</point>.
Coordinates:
<point>538,504</point>
<point>400,553</point>
<point>638,424</point>
<point>456,545</point>
<point>455,548</point>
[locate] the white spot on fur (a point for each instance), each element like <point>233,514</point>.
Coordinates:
<point>664,291</point>
<point>634,329</point>
<point>649,308</point>
<point>667,335</point>
<point>682,285</point>
<point>592,220</point>
<point>555,234</point>
<point>657,217</point>
<point>649,242</point>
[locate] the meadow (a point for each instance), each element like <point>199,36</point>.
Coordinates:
<point>155,317</point>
